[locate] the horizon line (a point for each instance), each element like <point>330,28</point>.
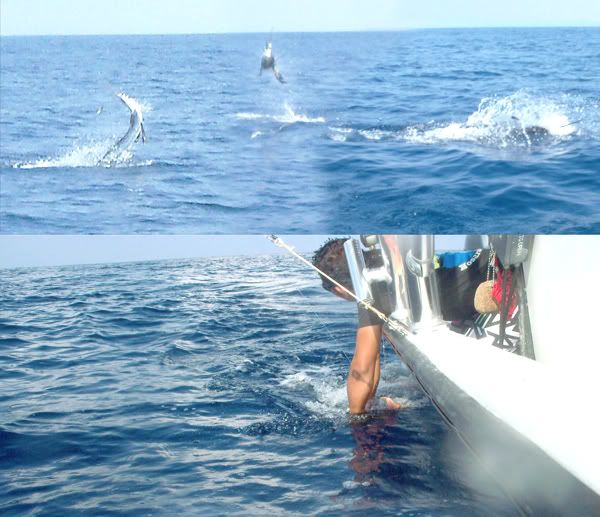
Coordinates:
<point>308,31</point>
<point>140,261</point>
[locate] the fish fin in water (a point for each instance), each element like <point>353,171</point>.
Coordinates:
<point>142,134</point>
<point>278,75</point>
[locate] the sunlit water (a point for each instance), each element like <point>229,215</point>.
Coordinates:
<point>416,131</point>
<point>213,386</point>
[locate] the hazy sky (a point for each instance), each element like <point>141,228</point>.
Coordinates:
<point>55,250</point>
<point>202,16</point>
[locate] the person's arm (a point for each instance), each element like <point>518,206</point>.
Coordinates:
<point>364,369</point>
<point>377,373</point>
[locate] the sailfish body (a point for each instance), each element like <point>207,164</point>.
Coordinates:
<point>267,62</point>
<point>135,131</point>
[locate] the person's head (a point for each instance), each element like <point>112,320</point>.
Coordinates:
<point>331,259</point>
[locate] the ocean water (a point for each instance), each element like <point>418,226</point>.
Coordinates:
<point>414,131</point>
<point>210,386</point>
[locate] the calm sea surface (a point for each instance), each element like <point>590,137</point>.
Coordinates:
<point>211,386</point>
<point>416,131</point>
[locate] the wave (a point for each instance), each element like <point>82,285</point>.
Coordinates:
<point>520,119</point>
<point>250,116</point>
<point>340,134</point>
<point>290,116</point>
<point>343,134</point>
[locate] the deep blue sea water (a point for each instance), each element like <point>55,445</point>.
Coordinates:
<point>210,386</point>
<point>415,131</point>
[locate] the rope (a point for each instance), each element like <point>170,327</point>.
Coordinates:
<point>391,323</point>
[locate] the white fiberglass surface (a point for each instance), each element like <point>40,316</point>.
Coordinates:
<point>562,289</point>
<point>551,406</point>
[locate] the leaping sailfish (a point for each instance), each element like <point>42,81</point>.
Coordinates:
<point>267,62</point>
<point>135,131</point>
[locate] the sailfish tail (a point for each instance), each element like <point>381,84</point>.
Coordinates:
<point>278,75</point>
<point>142,134</point>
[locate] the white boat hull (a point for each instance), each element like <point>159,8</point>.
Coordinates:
<point>527,411</point>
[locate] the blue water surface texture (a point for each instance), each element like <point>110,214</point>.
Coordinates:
<point>209,387</point>
<point>448,131</point>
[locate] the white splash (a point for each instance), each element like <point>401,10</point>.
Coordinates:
<point>521,110</point>
<point>84,156</point>
<point>340,134</point>
<point>289,116</point>
<point>374,134</point>
<point>80,156</point>
<point>250,116</point>
<point>503,121</point>
<point>327,395</point>
<point>327,391</point>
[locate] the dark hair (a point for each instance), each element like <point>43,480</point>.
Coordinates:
<point>331,259</point>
